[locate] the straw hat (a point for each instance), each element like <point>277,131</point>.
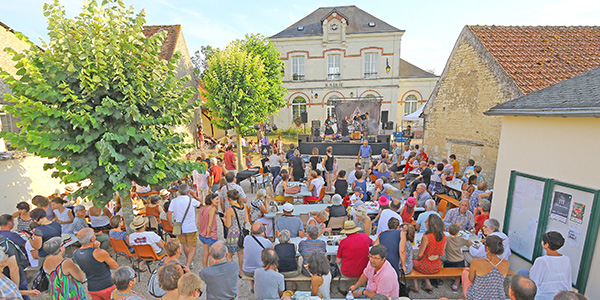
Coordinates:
<point>138,222</point>
<point>350,227</point>
<point>164,192</point>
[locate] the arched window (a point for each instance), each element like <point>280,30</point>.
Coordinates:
<point>369,97</point>
<point>331,102</point>
<point>298,107</point>
<point>410,104</point>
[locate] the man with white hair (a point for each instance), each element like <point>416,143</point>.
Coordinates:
<point>379,188</point>
<point>96,263</point>
<point>491,227</point>
<point>429,210</point>
<point>421,194</point>
<point>460,216</point>
<point>221,277</point>
<point>182,210</point>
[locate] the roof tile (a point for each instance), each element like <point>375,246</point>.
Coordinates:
<point>170,42</point>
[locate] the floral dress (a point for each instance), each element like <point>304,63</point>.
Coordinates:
<point>426,266</point>
<point>235,232</point>
<point>64,287</point>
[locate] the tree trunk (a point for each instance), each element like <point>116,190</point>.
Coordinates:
<point>240,157</point>
<point>127,208</point>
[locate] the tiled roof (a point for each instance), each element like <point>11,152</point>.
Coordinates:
<point>168,47</point>
<point>358,22</point>
<point>538,56</point>
<point>578,96</point>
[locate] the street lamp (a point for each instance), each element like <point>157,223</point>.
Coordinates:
<point>387,66</point>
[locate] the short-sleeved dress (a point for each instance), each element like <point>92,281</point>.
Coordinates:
<point>235,232</point>
<point>489,286</point>
<point>434,247</point>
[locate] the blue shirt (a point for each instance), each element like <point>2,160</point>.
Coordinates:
<point>365,151</point>
<point>422,218</point>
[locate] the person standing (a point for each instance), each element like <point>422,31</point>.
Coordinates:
<point>275,161</point>
<point>328,167</point>
<point>551,272</point>
<point>229,160</point>
<point>235,220</point>
<point>96,263</point>
<point>364,155</point>
<point>183,209</point>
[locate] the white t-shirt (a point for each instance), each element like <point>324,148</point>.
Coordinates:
<point>200,180</point>
<point>32,261</point>
<point>145,238</point>
<point>318,183</point>
<point>351,177</point>
<point>551,275</point>
<point>385,216</point>
<point>406,154</point>
<point>480,252</point>
<point>274,160</point>
<point>178,207</point>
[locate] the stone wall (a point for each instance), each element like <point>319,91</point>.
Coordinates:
<point>454,122</point>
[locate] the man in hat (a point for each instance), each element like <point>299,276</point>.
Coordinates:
<point>353,252</point>
<point>143,237</point>
<point>164,195</point>
<point>289,222</point>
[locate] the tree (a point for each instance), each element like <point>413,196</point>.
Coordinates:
<point>201,57</point>
<point>101,102</point>
<point>243,85</point>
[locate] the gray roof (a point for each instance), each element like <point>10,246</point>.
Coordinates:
<point>408,70</point>
<point>358,21</point>
<point>578,96</point>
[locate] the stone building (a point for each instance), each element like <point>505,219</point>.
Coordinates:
<point>490,65</point>
<point>345,54</point>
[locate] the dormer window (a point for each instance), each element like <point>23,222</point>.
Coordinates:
<point>300,28</point>
<point>371,24</point>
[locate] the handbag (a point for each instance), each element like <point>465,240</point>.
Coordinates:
<point>243,231</point>
<point>402,287</point>
<point>41,281</point>
<point>177,225</point>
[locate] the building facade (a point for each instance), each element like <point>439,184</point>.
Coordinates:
<point>342,54</point>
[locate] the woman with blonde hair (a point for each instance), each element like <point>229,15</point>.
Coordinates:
<point>362,220</point>
<point>282,188</point>
<point>315,184</point>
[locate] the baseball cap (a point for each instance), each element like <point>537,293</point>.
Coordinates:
<point>358,189</point>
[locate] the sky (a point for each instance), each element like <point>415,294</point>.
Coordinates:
<point>432,27</point>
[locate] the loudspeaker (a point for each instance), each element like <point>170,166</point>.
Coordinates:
<point>316,131</point>
<point>304,117</point>
<point>317,139</point>
<point>315,123</point>
<point>383,139</point>
<point>371,139</point>
<point>303,138</point>
<point>345,139</point>
<point>384,116</point>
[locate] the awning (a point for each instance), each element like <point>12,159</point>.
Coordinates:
<point>415,115</point>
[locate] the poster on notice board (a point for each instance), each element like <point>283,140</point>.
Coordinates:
<point>560,206</point>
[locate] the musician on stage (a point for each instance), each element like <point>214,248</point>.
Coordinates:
<point>365,124</point>
<point>329,132</point>
<point>345,123</point>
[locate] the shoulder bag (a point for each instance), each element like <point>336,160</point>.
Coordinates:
<point>243,231</point>
<point>177,225</point>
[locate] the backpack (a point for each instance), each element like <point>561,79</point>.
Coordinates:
<point>153,287</point>
<point>22,259</point>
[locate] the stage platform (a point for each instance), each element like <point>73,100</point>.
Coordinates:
<point>339,148</point>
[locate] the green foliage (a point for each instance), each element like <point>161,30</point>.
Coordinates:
<point>293,131</point>
<point>101,102</point>
<point>200,58</point>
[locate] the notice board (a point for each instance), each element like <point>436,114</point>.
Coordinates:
<point>536,205</point>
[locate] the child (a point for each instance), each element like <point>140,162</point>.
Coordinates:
<point>482,213</point>
<point>358,195</point>
<point>248,160</point>
<point>63,215</point>
<point>551,272</point>
<point>454,255</point>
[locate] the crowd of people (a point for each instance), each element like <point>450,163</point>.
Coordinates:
<point>176,219</point>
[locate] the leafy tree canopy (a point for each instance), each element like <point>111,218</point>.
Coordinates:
<point>101,102</point>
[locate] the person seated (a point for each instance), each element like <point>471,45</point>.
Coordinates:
<point>433,243</point>
<point>117,232</point>
<point>22,216</point>
<point>221,277</point>
<point>288,265</point>
<point>421,194</point>
<point>482,213</point>
<point>336,209</point>
<point>65,277</point>
<point>95,263</point>
<point>357,195</point>
<point>353,251</point>
<point>277,179</point>
<point>315,184</point>
<point>320,275</point>
<point>438,180</point>
<point>319,220</point>
<point>189,287</point>
<point>341,184</point>
<point>484,279</point>
<point>125,279</point>
<point>468,187</point>
<point>492,227</point>
<point>479,194</point>
<point>478,170</point>
<point>258,208</point>
<point>380,170</point>
<point>253,245</point>
<point>551,272</point>
<point>469,170</point>
<point>454,254</point>
<point>408,211</point>
<point>386,281</point>
<point>310,245</point>
<point>268,283</point>
<point>168,277</point>
<point>287,221</point>
<point>362,219</point>
<point>522,288</point>
<point>569,295</point>
<point>173,250</point>
<point>79,223</point>
<point>64,216</point>
<point>461,216</point>
<point>143,237</point>
<point>361,183</point>
<point>153,209</point>
<point>253,147</point>
<point>282,188</point>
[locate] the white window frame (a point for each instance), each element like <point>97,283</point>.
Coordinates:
<point>411,102</point>
<point>298,107</point>
<point>334,67</point>
<point>298,64</point>
<point>370,66</point>
<point>330,107</point>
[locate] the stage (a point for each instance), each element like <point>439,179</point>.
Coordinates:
<point>340,148</point>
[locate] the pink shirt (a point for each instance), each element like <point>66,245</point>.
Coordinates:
<point>203,217</point>
<point>229,160</point>
<point>384,282</point>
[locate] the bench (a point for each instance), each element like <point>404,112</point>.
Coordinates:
<point>453,202</point>
<point>443,273</point>
<point>302,278</point>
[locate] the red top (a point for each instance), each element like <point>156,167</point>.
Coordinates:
<point>408,167</point>
<point>229,160</point>
<point>354,252</point>
<point>406,216</point>
<point>216,172</point>
<point>479,219</point>
<point>426,266</point>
